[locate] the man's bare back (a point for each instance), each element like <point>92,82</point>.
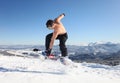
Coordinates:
<point>59,28</point>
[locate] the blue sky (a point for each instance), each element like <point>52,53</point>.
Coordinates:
<point>23,21</point>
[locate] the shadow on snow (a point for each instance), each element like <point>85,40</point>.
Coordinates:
<point>2,69</point>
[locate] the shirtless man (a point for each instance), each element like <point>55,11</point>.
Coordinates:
<point>58,33</point>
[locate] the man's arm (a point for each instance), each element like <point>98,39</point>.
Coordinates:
<point>55,34</point>
<point>59,18</point>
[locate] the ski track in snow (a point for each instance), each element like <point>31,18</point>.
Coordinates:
<point>15,69</point>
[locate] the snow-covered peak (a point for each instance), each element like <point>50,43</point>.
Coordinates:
<point>101,42</point>
<point>102,47</point>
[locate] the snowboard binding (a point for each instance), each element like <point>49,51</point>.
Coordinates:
<point>50,56</point>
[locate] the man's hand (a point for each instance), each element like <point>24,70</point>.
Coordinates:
<point>48,52</point>
<point>63,14</point>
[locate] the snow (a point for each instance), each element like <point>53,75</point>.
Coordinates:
<point>21,52</point>
<point>15,69</point>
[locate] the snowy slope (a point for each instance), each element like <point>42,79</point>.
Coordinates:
<point>15,69</point>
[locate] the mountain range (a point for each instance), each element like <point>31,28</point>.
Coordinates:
<point>105,53</point>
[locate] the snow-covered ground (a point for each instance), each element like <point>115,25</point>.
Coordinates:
<point>15,69</point>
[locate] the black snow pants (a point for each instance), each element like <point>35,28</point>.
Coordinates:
<point>62,40</point>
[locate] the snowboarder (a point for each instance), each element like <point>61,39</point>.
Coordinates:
<point>59,33</point>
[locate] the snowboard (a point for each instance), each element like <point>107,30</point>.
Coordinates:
<point>55,56</point>
<point>52,56</point>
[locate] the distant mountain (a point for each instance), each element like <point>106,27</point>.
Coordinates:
<point>21,47</point>
<point>99,52</point>
<point>105,53</point>
<point>95,48</point>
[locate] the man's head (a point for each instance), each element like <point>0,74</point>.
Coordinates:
<point>49,24</point>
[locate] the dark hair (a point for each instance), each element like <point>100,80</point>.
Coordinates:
<point>49,23</point>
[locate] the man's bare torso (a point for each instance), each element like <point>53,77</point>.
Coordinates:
<point>59,28</point>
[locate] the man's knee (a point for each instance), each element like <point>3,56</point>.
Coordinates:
<point>48,36</point>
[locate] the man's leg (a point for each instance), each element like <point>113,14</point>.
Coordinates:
<point>62,45</point>
<point>47,40</point>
